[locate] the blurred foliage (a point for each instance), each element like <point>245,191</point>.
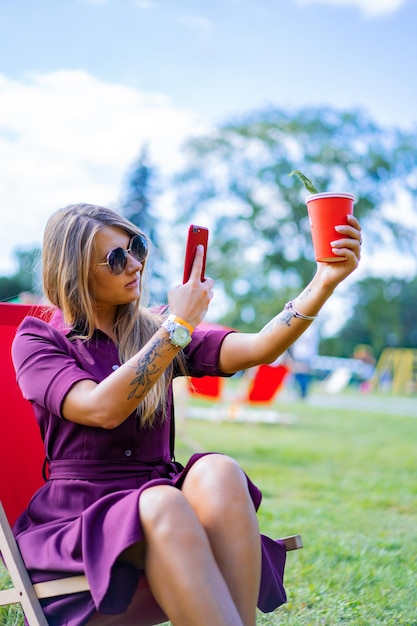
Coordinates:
<point>383,316</point>
<point>137,205</point>
<point>25,279</point>
<point>236,181</point>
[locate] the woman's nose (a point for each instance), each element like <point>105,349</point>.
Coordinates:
<point>133,265</point>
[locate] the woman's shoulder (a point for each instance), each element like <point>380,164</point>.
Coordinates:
<point>47,326</point>
<point>46,320</point>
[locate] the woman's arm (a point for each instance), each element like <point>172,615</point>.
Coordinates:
<point>243,350</point>
<point>108,403</point>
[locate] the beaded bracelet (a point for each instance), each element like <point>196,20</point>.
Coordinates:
<point>291,307</point>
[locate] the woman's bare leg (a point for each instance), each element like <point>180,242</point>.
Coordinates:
<point>182,572</point>
<point>217,490</point>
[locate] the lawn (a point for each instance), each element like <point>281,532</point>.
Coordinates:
<point>346,481</point>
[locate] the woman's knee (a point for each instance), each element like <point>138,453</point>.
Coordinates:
<point>216,473</point>
<point>163,508</point>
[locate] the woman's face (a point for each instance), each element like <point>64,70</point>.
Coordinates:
<point>109,289</point>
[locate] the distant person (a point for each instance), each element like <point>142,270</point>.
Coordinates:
<point>302,354</point>
<point>99,375</point>
<point>364,353</point>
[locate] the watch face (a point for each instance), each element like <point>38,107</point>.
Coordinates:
<point>180,335</point>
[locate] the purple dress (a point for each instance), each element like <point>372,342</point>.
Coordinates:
<point>86,514</point>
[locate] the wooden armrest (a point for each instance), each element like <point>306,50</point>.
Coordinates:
<point>293,542</point>
<point>61,586</point>
<point>9,596</point>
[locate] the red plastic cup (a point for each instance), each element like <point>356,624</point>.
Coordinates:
<point>325,211</point>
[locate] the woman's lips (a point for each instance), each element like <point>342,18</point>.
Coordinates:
<point>133,283</point>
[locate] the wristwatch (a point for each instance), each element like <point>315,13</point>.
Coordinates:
<point>178,330</point>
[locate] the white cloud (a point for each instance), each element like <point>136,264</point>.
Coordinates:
<point>369,8</point>
<point>67,137</point>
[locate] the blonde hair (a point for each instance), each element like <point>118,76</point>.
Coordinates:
<point>68,249</point>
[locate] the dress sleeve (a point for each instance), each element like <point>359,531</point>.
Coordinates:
<point>202,354</point>
<point>47,364</point>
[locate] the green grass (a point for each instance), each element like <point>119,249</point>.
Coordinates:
<point>345,480</point>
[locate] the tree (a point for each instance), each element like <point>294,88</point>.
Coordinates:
<point>137,206</point>
<point>236,180</point>
<point>26,279</point>
<point>383,316</point>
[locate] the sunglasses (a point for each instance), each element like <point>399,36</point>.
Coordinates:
<point>117,258</point>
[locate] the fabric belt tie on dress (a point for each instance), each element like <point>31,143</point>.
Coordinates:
<point>111,470</point>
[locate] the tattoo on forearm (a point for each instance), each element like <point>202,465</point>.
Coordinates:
<point>304,293</point>
<point>147,372</point>
<point>282,319</point>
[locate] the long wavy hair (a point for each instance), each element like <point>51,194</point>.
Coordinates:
<point>68,282</point>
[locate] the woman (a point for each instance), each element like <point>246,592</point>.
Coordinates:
<point>99,377</point>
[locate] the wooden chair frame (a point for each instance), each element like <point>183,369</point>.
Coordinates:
<point>28,595</point>
<point>23,591</point>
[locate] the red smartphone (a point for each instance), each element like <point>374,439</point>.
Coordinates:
<point>196,235</point>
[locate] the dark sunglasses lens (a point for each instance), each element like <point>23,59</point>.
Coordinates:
<point>117,261</point>
<point>139,248</point>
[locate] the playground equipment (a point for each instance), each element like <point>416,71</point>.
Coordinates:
<point>396,370</point>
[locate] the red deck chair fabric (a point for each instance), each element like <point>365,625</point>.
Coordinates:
<point>21,461</point>
<point>264,386</point>
<point>266,383</point>
<point>22,452</point>
<point>208,386</point>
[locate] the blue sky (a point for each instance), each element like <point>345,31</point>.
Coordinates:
<point>83,84</point>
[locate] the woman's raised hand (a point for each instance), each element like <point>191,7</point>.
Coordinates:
<point>190,301</point>
<point>349,248</point>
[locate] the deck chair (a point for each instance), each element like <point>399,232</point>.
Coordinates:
<point>266,383</point>
<point>256,403</point>
<point>20,478</point>
<point>209,387</point>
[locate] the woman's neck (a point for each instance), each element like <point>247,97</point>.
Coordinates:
<point>104,321</point>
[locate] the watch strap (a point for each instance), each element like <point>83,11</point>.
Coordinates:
<point>179,320</point>
<point>174,327</point>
